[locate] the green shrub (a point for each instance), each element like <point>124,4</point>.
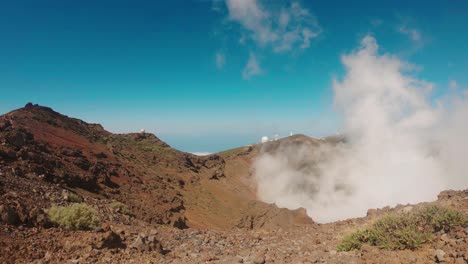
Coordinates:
<point>405,230</point>
<point>122,208</point>
<point>440,218</point>
<point>74,216</point>
<point>73,198</point>
<point>353,241</point>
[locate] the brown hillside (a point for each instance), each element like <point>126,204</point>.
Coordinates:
<point>160,205</point>
<point>159,184</point>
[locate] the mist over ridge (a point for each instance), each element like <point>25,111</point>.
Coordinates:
<point>401,147</point>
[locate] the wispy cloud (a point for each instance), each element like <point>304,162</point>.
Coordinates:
<point>412,33</point>
<point>453,84</point>
<point>270,26</point>
<point>252,68</point>
<point>283,29</point>
<point>408,27</point>
<point>220,60</point>
<point>376,22</point>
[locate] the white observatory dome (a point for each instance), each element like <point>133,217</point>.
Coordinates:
<point>264,139</point>
<point>142,131</point>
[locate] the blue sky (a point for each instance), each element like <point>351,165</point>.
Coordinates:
<point>211,75</point>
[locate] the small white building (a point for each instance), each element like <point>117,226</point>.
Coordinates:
<point>264,139</point>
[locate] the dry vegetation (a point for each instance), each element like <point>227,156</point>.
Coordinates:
<point>405,230</point>
<point>121,208</point>
<point>75,216</point>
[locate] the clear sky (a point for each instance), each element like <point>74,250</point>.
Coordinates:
<point>211,75</point>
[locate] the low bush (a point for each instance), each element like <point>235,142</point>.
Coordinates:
<point>73,198</point>
<point>121,208</point>
<point>75,216</point>
<point>441,218</point>
<point>405,230</point>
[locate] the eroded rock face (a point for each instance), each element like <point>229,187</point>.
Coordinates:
<point>15,209</point>
<point>271,217</point>
<point>451,194</point>
<point>214,164</point>
<point>180,222</point>
<point>18,137</point>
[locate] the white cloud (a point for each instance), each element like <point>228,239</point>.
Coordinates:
<point>285,29</point>
<point>307,35</point>
<point>220,60</point>
<point>253,18</point>
<point>376,22</point>
<point>202,153</point>
<point>252,68</point>
<point>406,26</point>
<point>412,33</point>
<point>453,84</point>
<point>270,26</point>
<point>397,140</point>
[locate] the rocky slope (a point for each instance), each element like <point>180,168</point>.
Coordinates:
<point>143,243</point>
<point>173,207</point>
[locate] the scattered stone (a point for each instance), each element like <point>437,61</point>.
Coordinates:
<point>444,238</point>
<point>8,215</point>
<point>47,256</point>
<point>109,240</point>
<point>105,227</point>
<point>8,154</point>
<point>65,195</point>
<point>257,258</point>
<point>440,255</point>
<point>147,243</point>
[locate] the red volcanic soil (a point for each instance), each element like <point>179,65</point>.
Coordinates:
<point>174,207</point>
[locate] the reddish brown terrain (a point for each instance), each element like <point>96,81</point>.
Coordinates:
<point>180,208</point>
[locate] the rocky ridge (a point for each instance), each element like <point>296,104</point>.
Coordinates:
<point>160,205</point>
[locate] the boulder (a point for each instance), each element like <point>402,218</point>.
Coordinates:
<point>8,215</point>
<point>109,239</point>
<point>18,138</point>
<point>7,153</point>
<point>440,255</point>
<point>147,243</point>
<point>4,125</point>
<point>82,163</point>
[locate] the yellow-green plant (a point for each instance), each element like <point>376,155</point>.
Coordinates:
<point>74,216</point>
<point>73,198</point>
<point>121,208</point>
<point>405,230</point>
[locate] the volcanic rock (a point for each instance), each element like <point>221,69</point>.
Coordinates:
<point>147,243</point>
<point>109,240</point>
<point>440,255</point>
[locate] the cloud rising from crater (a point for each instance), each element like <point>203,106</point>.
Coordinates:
<point>401,145</point>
